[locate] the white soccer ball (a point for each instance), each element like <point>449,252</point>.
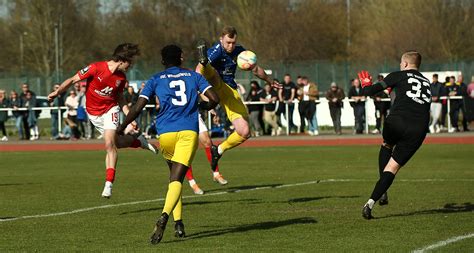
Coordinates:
<point>246,60</point>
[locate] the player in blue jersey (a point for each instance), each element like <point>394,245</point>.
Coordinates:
<point>218,65</point>
<point>177,90</point>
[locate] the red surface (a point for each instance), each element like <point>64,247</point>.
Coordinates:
<point>94,145</point>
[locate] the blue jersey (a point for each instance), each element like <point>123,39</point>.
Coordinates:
<point>177,90</point>
<point>225,63</point>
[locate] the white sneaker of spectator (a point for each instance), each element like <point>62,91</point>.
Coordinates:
<point>4,138</point>
<point>279,131</point>
<point>375,131</point>
<point>432,129</point>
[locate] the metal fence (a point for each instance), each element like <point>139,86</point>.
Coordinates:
<point>323,115</point>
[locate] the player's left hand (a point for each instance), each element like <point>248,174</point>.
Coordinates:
<point>365,78</point>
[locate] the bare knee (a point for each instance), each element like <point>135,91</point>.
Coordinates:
<point>110,146</point>
<point>243,131</point>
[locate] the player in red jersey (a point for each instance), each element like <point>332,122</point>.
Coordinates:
<point>104,99</point>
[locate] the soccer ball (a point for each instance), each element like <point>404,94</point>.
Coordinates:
<point>246,60</point>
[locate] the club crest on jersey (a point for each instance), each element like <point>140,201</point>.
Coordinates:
<point>84,70</point>
<point>117,83</point>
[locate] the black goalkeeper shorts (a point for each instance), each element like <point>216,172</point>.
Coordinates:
<point>405,135</point>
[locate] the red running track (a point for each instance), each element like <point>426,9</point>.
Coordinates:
<point>260,142</point>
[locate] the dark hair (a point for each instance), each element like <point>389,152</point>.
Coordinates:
<point>287,75</point>
<point>171,55</point>
<point>125,52</point>
<point>435,75</point>
<point>304,77</point>
<point>229,31</point>
<point>380,76</point>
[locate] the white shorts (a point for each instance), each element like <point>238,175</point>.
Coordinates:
<point>202,125</point>
<point>108,120</point>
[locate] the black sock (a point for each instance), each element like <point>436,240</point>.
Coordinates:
<point>384,156</point>
<point>382,185</point>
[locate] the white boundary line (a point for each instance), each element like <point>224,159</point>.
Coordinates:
<point>82,210</point>
<point>444,243</point>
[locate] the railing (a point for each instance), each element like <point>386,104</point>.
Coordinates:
<point>367,101</point>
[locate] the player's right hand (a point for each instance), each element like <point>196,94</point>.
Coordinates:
<point>365,78</point>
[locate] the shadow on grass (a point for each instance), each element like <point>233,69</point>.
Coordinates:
<point>250,227</point>
<point>251,201</point>
<point>309,199</point>
<point>447,209</point>
<point>242,188</point>
<point>17,184</point>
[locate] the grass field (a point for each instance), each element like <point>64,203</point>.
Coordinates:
<point>273,202</point>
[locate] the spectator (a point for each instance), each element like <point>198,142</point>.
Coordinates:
<point>307,106</point>
<point>314,121</point>
<point>72,103</point>
<point>335,95</point>
<point>85,127</point>
<point>358,105</point>
<point>436,106</point>
<point>270,96</point>
<point>456,105</point>
<point>25,88</point>
<point>30,103</point>
<point>286,95</point>
<point>444,103</point>
<point>463,93</point>
<point>381,107</point>
<point>254,110</point>
<point>16,103</point>
<point>469,101</point>
<point>57,102</point>
<point>4,103</point>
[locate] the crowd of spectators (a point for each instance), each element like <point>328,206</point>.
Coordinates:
<point>270,109</point>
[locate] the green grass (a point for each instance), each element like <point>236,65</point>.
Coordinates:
<point>321,216</point>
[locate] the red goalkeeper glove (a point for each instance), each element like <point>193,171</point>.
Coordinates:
<point>365,78</point>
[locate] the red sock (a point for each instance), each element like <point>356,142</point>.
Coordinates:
<point>189,173</point>
<point>110,175</point>
<point>209,157</point>
<point>136,144</point>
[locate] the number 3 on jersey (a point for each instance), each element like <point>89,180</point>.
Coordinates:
<point>179,92</point>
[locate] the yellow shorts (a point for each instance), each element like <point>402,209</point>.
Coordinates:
<point>229,98</point>
<point>179,146</point>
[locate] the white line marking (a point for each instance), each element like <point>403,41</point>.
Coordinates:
<point>444,243</point>
<point>215,194</point>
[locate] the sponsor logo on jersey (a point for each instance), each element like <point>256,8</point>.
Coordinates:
<point>100,79</point>
<point>84,70</point>
<point>105,92</point>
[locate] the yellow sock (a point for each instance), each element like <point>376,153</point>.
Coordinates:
<point>172,196</point>
<point>178,210</point>
<point>232,141</point>
<point>208,72</point>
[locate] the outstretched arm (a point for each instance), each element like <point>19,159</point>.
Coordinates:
<point>63,87</point>
<point>260,73</point>
<point>213,100</point>
<point>132,114</point>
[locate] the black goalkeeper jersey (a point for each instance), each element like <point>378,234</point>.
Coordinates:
<point>412,94</point>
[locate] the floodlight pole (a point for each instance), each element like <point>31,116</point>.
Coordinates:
<point>56,49</point>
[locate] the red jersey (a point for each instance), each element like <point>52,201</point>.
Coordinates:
<point>103,87</point>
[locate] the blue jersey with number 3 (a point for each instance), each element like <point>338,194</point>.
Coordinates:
<point>177,90</point>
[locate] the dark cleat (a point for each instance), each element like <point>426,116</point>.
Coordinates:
<point>202,51</point>
<point>215,157</point>
<point>383,200</point>
<point>367,212</point>
<point>179,229</point>
<point>159,229</point>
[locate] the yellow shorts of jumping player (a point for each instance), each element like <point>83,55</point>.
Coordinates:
<point>229,98</point>
<point>179,146</point>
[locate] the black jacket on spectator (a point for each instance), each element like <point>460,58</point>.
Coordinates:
<point>273,94</point>
<point>254,96</point>
<point>353,92</point>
